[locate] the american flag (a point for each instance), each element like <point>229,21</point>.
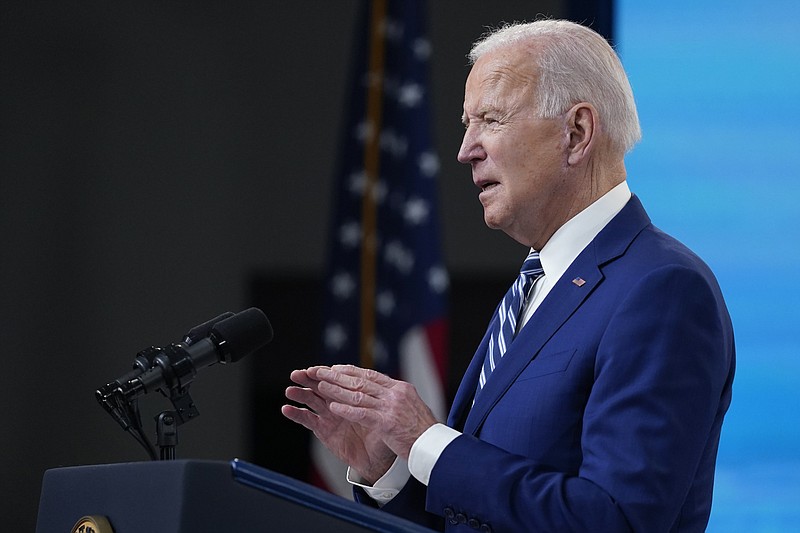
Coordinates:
<point>385,292</point>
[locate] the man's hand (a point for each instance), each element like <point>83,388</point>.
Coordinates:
<point>384,407</point>
<point>354,444</point>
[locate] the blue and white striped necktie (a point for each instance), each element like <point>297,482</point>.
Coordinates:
<point>505,327</point>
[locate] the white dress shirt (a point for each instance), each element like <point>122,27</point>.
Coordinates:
<point>556,256</point>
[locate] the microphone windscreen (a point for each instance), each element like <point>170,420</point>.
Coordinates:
<point>242,333</point>
<point>201,331</point>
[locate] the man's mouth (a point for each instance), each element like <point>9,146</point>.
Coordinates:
<point>487,186</point>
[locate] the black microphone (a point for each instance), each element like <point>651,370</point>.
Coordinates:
<point>203,330</point>
<point>228,341</point>
<point>145,360</point>
<point>223,339</point>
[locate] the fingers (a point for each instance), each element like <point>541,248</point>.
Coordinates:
<point>306,397</point>
<point>353,378</point>
<point>348,391</point>
<point>302,377</point>
<point>316,415</point>
<point>304,417</point>
<point>366,374</point>
<point>337,394</point>
<point>348,376</point>
<point>349,388</point>
<point>367,417</point>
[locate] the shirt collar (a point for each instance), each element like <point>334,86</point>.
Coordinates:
<point>570,239</point>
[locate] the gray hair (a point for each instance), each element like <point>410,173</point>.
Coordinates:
<point>576,64</point>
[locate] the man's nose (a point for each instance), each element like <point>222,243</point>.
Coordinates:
<point>471,149</point>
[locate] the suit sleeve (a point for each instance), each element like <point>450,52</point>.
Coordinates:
<point>660,372</point>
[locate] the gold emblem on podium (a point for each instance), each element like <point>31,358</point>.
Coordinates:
<point>93,524</point>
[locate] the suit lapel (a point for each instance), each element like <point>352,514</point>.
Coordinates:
<point>559,305</point>
<point>466,390</point>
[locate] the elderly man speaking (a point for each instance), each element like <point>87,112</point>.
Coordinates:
<point>596,398</point>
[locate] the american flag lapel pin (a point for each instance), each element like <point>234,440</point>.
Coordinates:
<point>579,281</point>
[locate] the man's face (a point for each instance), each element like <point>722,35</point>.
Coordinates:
<point>518,161</point>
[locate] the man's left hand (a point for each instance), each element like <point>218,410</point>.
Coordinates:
<point>391,408</point>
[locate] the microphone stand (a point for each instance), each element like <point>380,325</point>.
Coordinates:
<point>121,401</point>
<point>166,435</point>
<point>168,421</point>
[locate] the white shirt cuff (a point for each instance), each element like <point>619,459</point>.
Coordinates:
<point>426,450</point>
<point>387,486</point>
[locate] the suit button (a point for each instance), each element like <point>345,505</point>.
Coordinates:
<point>461,518</point>
<point>486,528</point>
<point>449,514</point>
<point>474,524</point>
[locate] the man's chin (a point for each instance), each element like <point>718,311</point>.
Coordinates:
<point>491,221</point>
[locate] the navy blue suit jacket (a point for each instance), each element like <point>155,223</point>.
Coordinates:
<point>605,413</point>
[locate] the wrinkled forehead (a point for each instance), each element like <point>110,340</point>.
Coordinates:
<point>505,72</point>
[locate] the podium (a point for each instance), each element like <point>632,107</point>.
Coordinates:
<point>192,496</point>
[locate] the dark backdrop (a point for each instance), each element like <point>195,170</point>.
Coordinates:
<point>156,160</point>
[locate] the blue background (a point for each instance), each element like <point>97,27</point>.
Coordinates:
<point>718,90</point>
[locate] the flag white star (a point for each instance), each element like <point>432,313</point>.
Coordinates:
<point>393,143</point>
<point>385,303</point>
<point>410,94</point>
<point>357,184</point>
<point>357,181</point>
<point>428,164</point>
<point>364,131</point>
<point>350,234</point>
<point>380,355</point>
<point>379,192</point>
<point>398,256</point>
<point>393,30</point>
<point>438,279</point>
<point>343,285</point>
<point>416,211</point>
<point>422,48</point>
<point>335,336</point>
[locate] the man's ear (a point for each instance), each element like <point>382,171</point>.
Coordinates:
<point>582,129</point>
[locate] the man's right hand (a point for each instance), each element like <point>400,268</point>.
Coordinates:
<point>359,447</point>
